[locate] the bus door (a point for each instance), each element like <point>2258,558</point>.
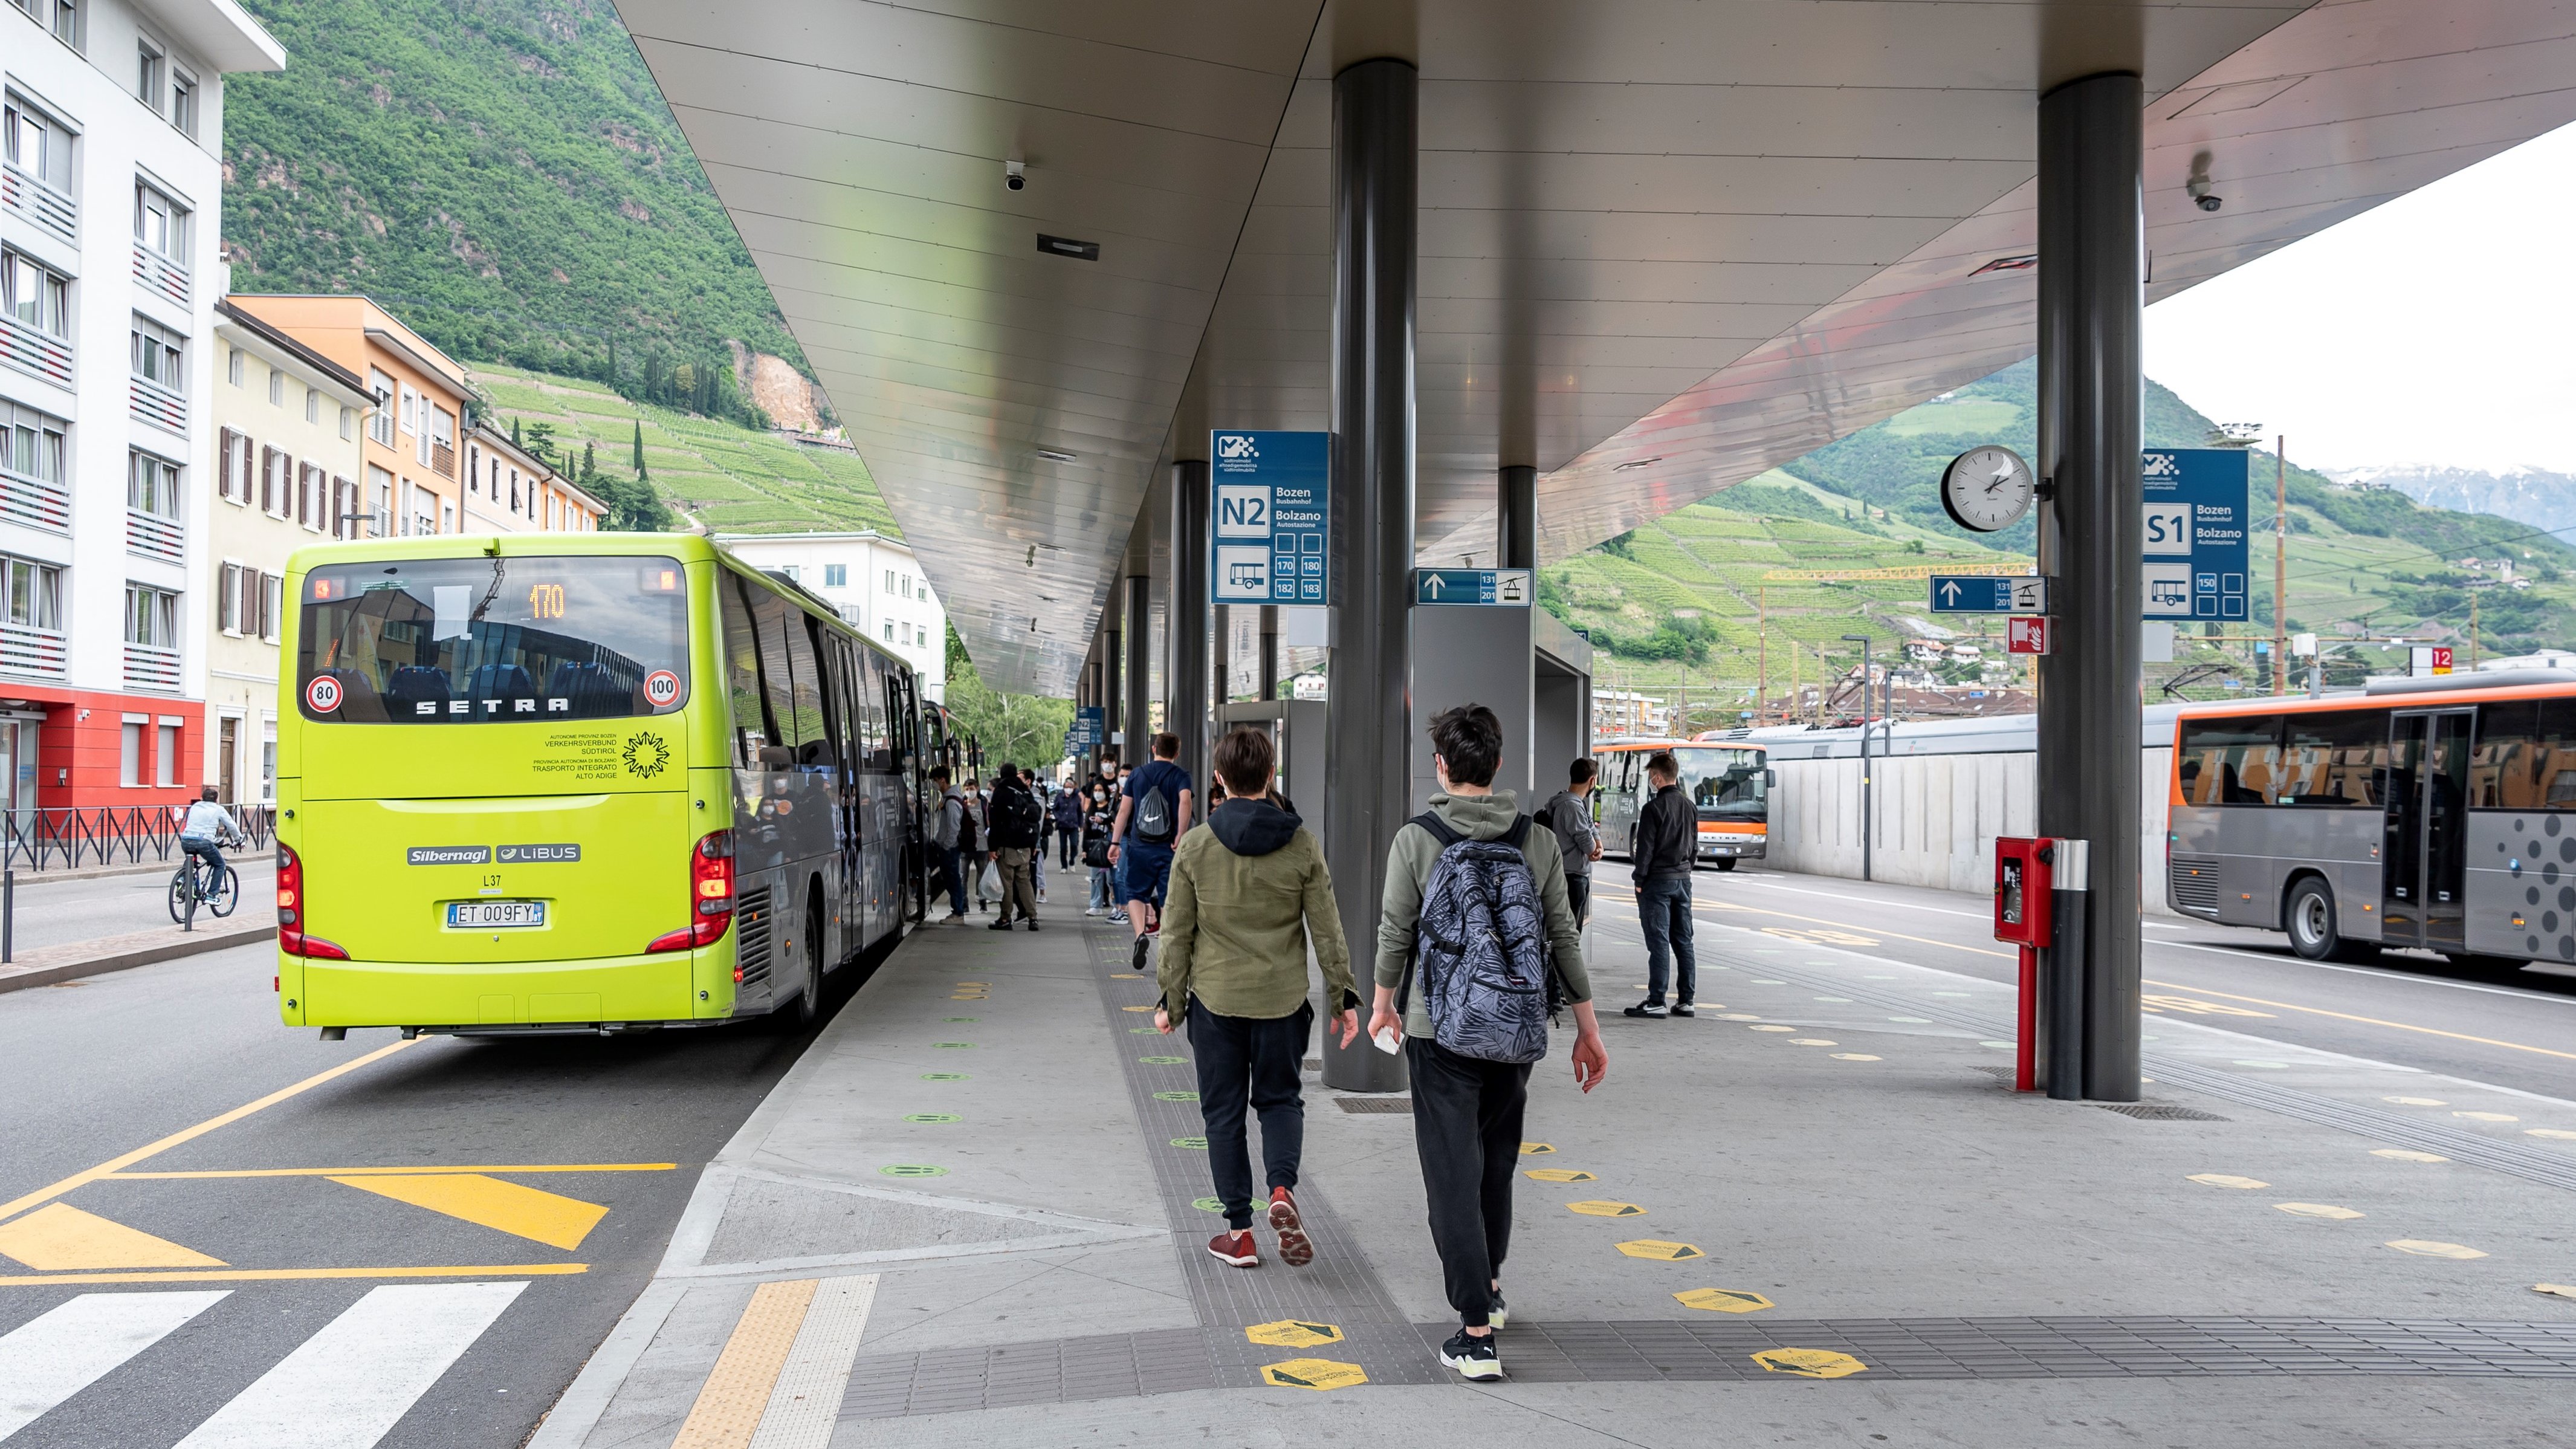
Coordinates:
<point>2426,795</point>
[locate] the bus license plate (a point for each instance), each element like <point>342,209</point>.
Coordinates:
<point>495,915</point>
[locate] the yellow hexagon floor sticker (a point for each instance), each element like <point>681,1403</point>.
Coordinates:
<point>1724,1300</point>
<point>1660,1251</point>
<point>1293,1333</point>
<point>2426,1248</point>
<point>1557,1174</point>
<point>1319,1374</point>
<point>1810,1363</point>
<point>1606,1209</point>
<point>2226,1179</point>
<point>1536,1149</point>
<point>2325,1210</point>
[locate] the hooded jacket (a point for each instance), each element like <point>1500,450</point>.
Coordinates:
<point>1409,859</point>
<point>1249,893</point>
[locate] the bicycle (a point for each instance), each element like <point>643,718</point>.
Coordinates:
<point>189,889</point>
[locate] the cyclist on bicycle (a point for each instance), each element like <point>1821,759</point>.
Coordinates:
<point>207,829</point>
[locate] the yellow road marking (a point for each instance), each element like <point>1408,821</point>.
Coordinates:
<point>1841,926</point>
<point>2328,1211</point>
<point>190,1134</point>
<point>59,1235</point>
<point>2226,1179</point>
<point>729,1407</point>
<point>513,1167</point>
<point>508,1207</point>
<point>2372,1021</point>
<point>281,1275</point>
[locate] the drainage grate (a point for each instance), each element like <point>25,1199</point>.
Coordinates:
<point>2159,1112</point>
<point>1375,1104</point>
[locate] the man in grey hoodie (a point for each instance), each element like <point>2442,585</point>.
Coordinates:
<point>945,827</point>
<point>1467,1111</point>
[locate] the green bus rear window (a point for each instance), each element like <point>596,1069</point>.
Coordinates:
<point>486,640</point>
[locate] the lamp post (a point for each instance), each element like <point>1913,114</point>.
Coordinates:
<point>1863,641</point>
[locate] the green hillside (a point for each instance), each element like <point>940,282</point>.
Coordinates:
<point>503,174</point>
<point>729,477</point>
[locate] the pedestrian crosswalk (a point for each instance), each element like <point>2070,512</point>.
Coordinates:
<point>345,1387</point>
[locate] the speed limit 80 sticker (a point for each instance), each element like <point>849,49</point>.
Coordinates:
<point>323,694</point>
<point>662,689</point>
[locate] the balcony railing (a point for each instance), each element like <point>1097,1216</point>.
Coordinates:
<point>160,406</point>
<point>442,460</point>
<point>39,202</point>
<point>62,839</point>
<point>150,668</point>
<point>28,499</point>
<point>26,650</point>
<point>31,351</point>
<point>159,275</point>
<point>153,536</point>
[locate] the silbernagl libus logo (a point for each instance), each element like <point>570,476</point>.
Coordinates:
<point>646,755</point>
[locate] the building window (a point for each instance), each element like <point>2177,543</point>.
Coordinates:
<point>410,421</point>
<point>35,295</point>
<point>160,354</point>
<point>34,594</point>
<point>348,424</point>
<point>272,598</point>
<point>233,366</point>
<point>130,754</point>
<point>276,388</point>
<point>442,442</point>
<point>228,610</point>
<point>151,484</point>
<point>312,404</point>
<point>165,756</point>
<point>161,224</point>
<point>889,631</point>
<point>151,617</point>
<point>183,101</point>
<point>33,444</point>
<point>344,507</point>
<point>380,500</point>
<point>889,584</point>
<point>380,423</point>
<point>36,143</point>
<point>836,576</point>
<point>147,75</point>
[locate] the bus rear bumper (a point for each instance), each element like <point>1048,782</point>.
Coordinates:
<point>577,995</point>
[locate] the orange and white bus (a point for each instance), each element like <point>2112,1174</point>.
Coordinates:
<point>1730,783</point>
<point>2434,813</point>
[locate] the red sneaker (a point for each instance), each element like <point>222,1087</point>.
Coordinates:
<point>1295,1248</point>
<point>1236,1250</point>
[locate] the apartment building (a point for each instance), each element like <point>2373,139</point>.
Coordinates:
<point>111,181</point>
<point>413,443</point>
<point>289,430</point>
<point>874,583</point>
<point>509,489</point>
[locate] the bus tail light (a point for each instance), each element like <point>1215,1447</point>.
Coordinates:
<point>290,912</point>
<point>711,896</point>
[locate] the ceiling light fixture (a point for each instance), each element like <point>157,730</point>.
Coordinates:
<point>1056,455</point>
<point>1632,466</point>
<point>1058,246</point>
<point>2026,261</point>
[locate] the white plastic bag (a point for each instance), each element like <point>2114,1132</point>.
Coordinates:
<point>988,885</point>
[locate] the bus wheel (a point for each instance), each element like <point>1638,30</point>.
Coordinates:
<point>1724,862</point>
<point>2311,922</point>
<point>809,1002</point>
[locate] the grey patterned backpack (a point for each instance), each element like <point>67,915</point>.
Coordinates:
<point>1480,947</point>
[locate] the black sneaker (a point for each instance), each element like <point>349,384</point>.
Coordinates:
<point>1680,1008</point>
<point>1136,958</point>
<point>1499,1313</point>
<point>1472,1357</point>
<point>1033,923</point>
<point>1001,925</point>
<point>1654,1009</point>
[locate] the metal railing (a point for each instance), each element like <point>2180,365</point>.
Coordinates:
<point>25,498</point>
<point>38,201</point>
<point>153,669</point>
<point>32,351</point>
<point>160,406</point>
<point>25,649</point>
<point>41,840</point>
<point>153,536</point>
<point>159,275</point>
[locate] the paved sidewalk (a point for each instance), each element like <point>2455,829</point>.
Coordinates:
<point>66,929</point>
<point>972,1215</point>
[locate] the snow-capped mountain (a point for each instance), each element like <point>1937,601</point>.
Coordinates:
<point>2527,495</point>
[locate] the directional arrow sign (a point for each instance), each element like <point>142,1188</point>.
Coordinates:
<point>1501,588</point>
<point>1988,594</point>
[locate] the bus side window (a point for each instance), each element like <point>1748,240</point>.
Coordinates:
<point>742,670</point>
<point>2332,759</point>
<point>2554,756</point>
<point>2231,761</point>
<point>2504,770</point>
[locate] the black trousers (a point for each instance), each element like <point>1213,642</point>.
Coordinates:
<point>1064,842</point>
<point>1467,1128</point>
<point>1244,1060</point>
<point>1578,897</point>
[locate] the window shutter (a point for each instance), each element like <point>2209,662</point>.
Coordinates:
<point>267,479</point>
<point>224,467</point>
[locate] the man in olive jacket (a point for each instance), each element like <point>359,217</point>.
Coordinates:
<point>1248,891</point>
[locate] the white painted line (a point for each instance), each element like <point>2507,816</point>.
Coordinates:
<point>807,1400</point>
<point>348,1385</point>
<point>52,1357</point>
<point>1847,897</point>
<point>2405,977</point>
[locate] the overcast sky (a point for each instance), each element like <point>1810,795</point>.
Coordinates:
<point>2439,328</point>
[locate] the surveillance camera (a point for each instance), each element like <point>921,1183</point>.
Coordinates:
<point>2209,203</point>
<point>1015,174</point>
<point>2198,186</point>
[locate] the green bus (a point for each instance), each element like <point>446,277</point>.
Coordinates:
<point>580,783</point>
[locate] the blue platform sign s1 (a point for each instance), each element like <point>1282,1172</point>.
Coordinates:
<point>1270,517</point>
<point>2194,542</point>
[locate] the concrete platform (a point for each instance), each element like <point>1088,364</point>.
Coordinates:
<point>976,1208</point>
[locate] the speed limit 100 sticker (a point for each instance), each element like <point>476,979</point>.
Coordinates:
<point>662,688</point>
<point>323,694</point>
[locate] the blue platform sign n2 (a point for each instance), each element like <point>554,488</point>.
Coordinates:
<point>2194,541</point>
<point>1269,517</point>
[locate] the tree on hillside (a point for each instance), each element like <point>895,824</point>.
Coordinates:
<point>1021,729</point>
<point>640,473</point>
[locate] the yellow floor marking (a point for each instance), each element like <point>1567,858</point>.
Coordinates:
<point>728,1410</point>
<point>2371,1021</point>
<point>2225,1179</point>
<point>59,1235</point>
<point>1557,1174</point>
<point>288,1275</point>
<point>2423,1248</point>
<point>1853,1057</point>
<point>1533,1149</point>
<point>1898,935</point>
<point>1810,1363</point>
<point>1598,1209</point>
<point>2563,1290</point>
<point>2403,1154</point>
<point>1293,1333</point>
<point>2328,1211</point>
<point>508,1207</point>
<point>1320,1374</point>
<point>2162,1004</point>
<point>2560,1133</point>
<point>1811,1041</point>
<point>383,1171</point>
<point>1660,1250</point>
<point>2488,1116</point>
<point>2416,1101</point>
<point>1724,1300</point>
<point>1771,1028</point>
<point>190,1134</point>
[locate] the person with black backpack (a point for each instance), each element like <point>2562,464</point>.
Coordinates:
<point>1015,817</point>
<point>1153,811</point>
<point>1473,923</point>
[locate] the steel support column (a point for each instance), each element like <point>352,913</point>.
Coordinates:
<point>1185,625</point>
<point>1267,679</point>
<point>1369,698</point>
<point>1113,700</point>
<point>1136,672</point>
<point>1516,517</point>
<point>2091,301</point>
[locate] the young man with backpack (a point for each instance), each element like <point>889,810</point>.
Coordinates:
<point>1153,812</point>
<point>948,825</point>
<point>1667,844</point>
<point>1473,922</point>
<point>1248,894</point>
<point>1015,816</point>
